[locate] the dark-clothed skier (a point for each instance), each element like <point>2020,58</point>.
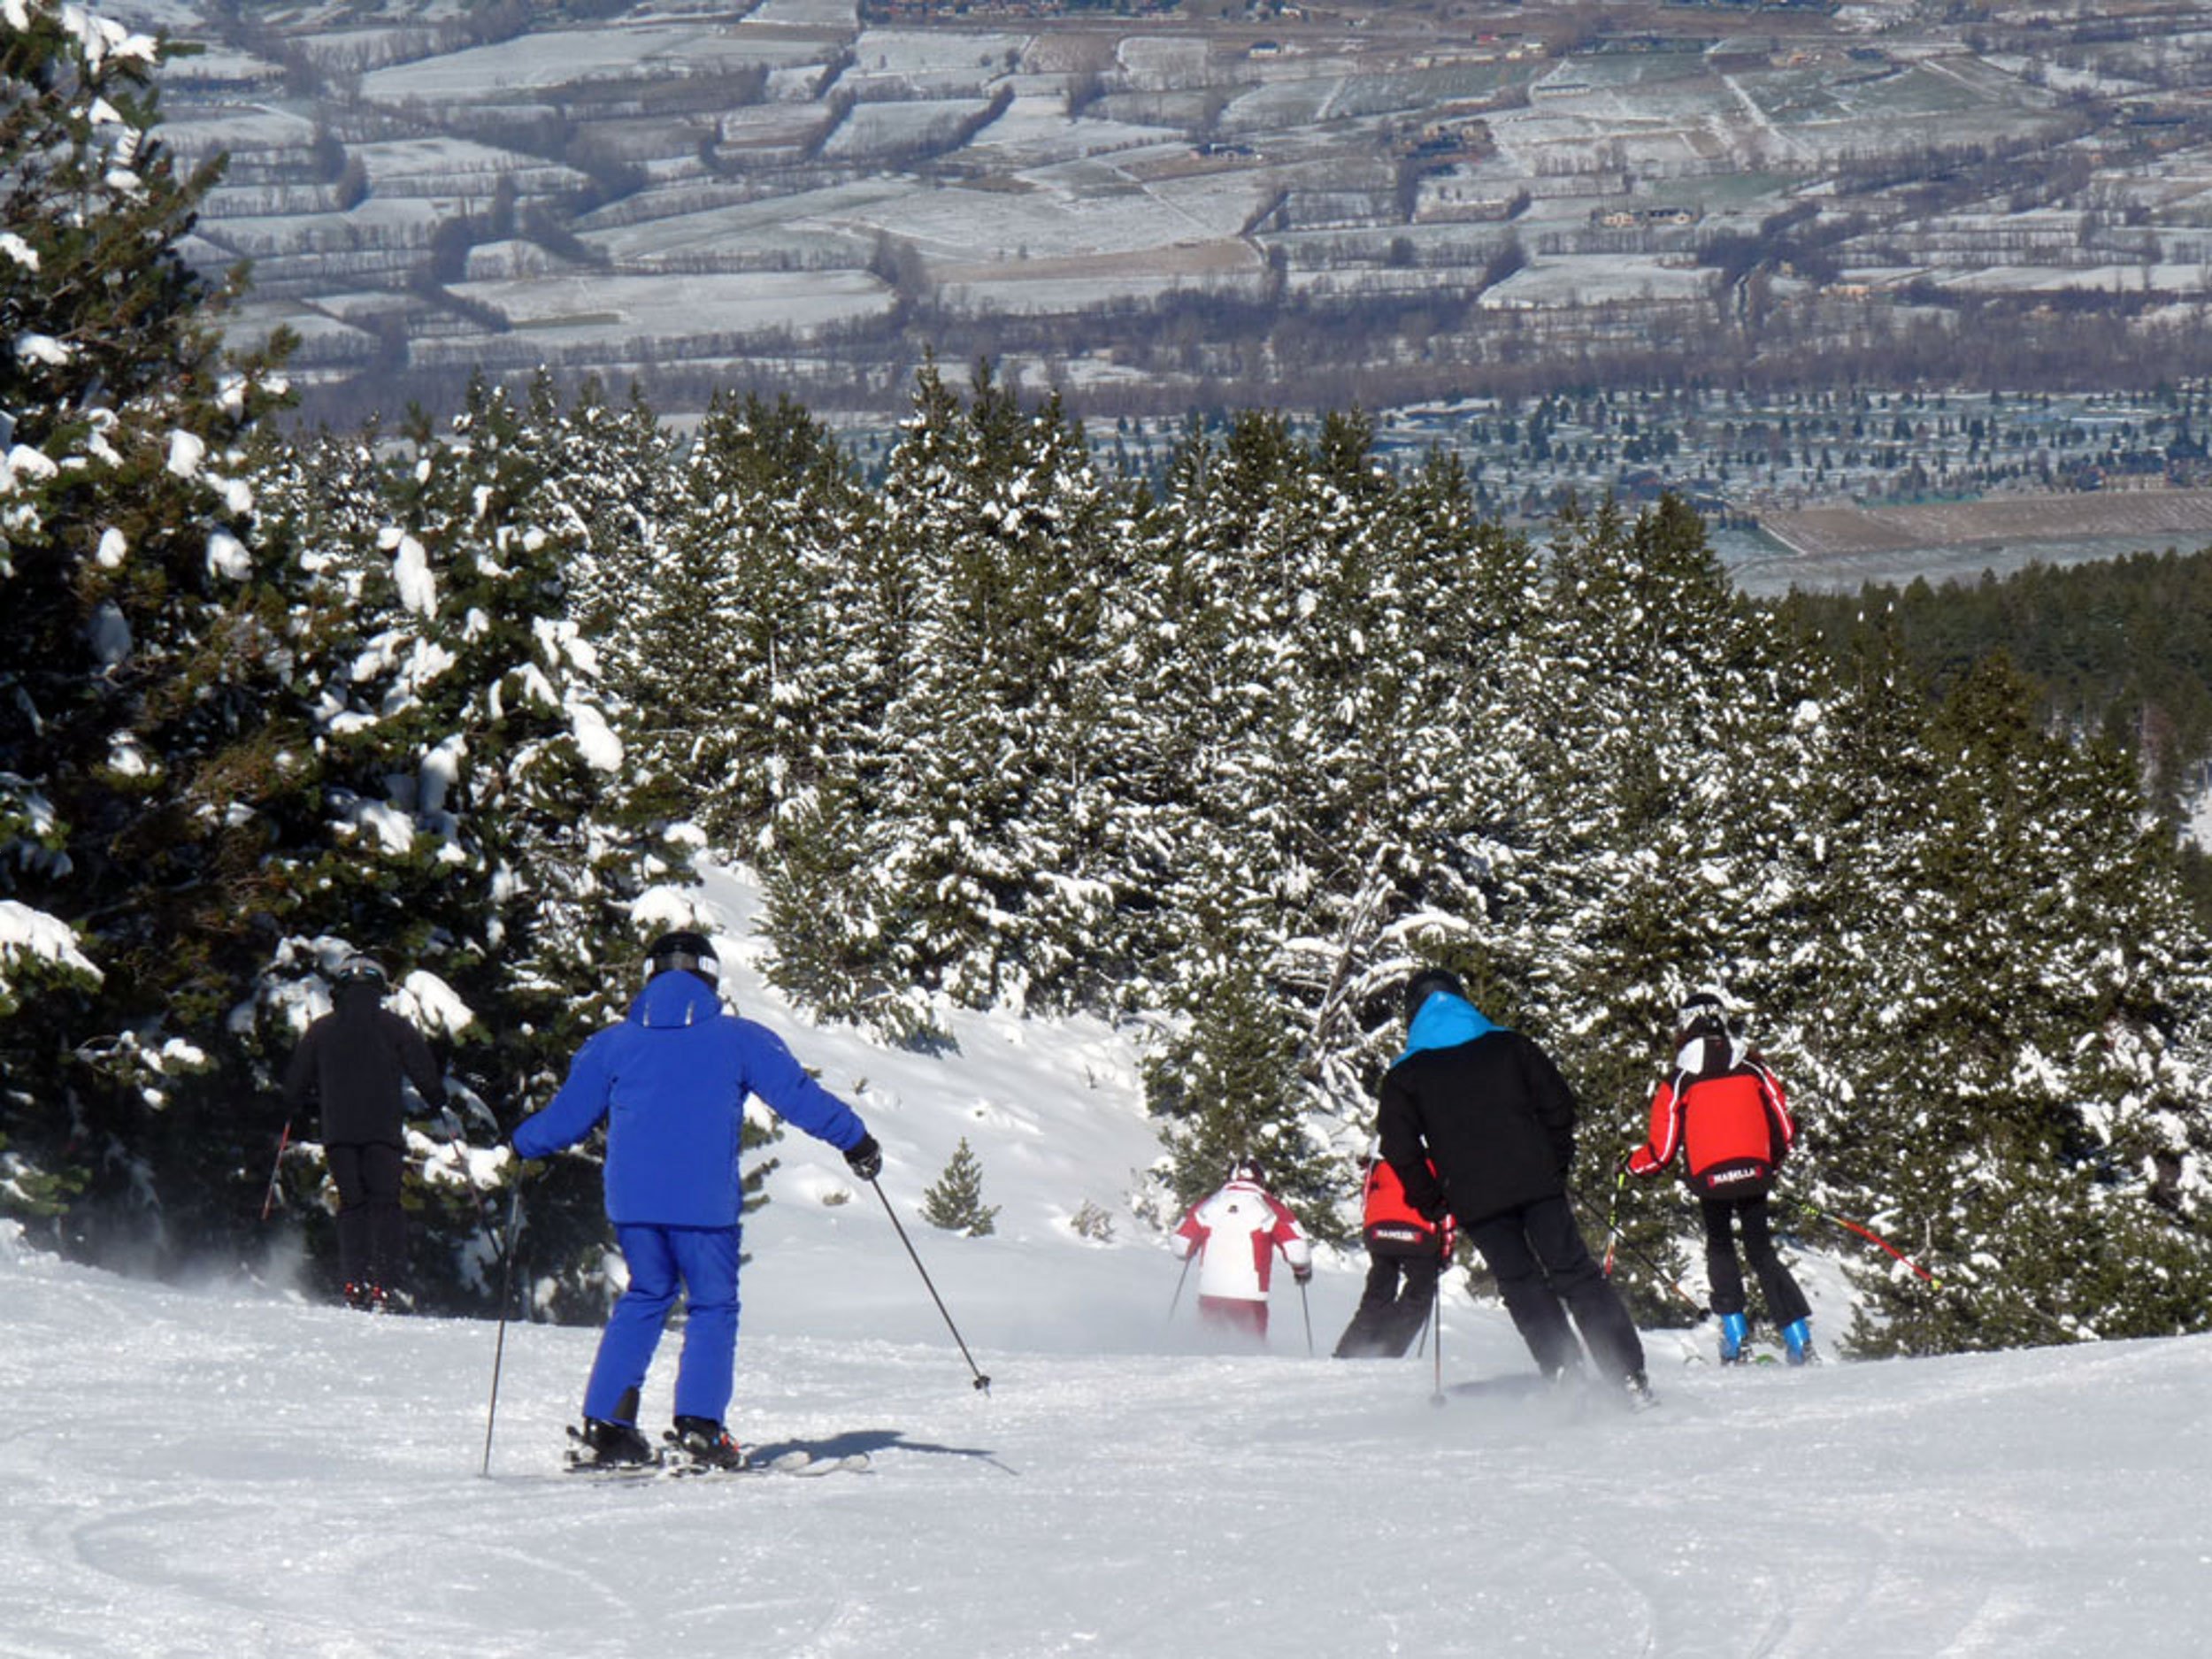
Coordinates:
<point>1723,1109</point>
<point>1406,1253</point>
<point>353,1061</point>
<point>1478,1122</point>
<point>670,1082</point>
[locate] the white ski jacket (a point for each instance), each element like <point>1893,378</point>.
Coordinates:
<point>1237,1233</point>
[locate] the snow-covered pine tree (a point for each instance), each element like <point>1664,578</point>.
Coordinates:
<point>138,649</point>
<point>1327,782</point>
<point>992,734</point>
<point>2038,962</point>
<point>743,653</point>
<point>615,467</point>
<point>846,946</point>
<point>480,826</point>
<point>1228,1088</point>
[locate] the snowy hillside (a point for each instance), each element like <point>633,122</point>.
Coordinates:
<point>231,1470</point>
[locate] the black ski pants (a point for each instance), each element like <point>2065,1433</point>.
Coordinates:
<point>1393,1308</point>
<point>1785,1303</point>
<point>1545,1272</point>
<point>371,1227</point>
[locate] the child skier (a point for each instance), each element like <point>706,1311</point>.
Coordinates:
<point>1723,1109</point>
<point>1236,1233</point>
<point>1406,1253</point>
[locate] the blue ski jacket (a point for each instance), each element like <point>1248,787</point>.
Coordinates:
<point>670,1083</point>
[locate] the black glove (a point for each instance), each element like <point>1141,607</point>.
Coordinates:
<point>864,1157</point>
<point>1302,1274</point>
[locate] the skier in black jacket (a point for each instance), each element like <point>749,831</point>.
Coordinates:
<point>353,1060</point>
<point>1490,1111</point>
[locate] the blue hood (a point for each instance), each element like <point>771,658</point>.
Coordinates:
<point>676,998</point>
<point>1445,1022</point>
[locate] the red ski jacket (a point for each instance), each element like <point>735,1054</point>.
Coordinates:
<point>1391,1225</point>
<point>1730,1122</point>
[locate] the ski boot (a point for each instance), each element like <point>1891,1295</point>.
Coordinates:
<point>1797,1338</point>
<point>706,1443</point>
<point>611,1445</point>
<point>1639,1390</point>
<point>366,1296</point>
<point>1735,1331</point>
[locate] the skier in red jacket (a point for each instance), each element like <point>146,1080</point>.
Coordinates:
<point>1723,1109</point>
<point>1406,1253</point>
<point>1235,1233</point>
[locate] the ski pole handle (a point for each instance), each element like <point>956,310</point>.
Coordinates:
<point>1612,1219</point>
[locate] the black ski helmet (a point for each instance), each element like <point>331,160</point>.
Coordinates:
<point>362,969</point>
<point>1426,984</point>
<point>1702,1014</point>
<point>689,951</point>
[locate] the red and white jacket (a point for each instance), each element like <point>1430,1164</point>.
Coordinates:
<point>1724,1110</point>
<point>1237,1233</point>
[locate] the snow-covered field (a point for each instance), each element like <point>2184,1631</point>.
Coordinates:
<point>226,1468</point>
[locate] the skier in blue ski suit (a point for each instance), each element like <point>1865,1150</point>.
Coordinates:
<point>670,1083</point>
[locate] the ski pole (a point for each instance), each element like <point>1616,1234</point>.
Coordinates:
<point>1612,1219</point>
<point>1306,1308</point>
<point>1867,1233</point>
<point>982,1383</point>
<point>268,1199</point>
<point>1657,1271</point>
<point>506,1292</point>
<point>1175,1300</point>
<point>1436,1325</point>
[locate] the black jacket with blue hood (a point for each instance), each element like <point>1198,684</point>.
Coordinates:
<point>1484,1105</point>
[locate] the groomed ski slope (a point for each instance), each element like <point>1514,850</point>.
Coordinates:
<point>228,1468</point>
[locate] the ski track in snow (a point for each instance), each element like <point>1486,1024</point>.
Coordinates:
<point>213,1472</point>
<point>232,1471</point>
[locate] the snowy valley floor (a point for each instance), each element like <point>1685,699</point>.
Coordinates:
<point>211,1472</point>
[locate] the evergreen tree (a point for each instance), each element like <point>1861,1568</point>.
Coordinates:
<point>736,649</point>
<point>140,651</point>
<point>2041,962</point>
<point>1229,1089</point>
<point>476,819</point>
<point>998,513</point>
<point>955,1200</point>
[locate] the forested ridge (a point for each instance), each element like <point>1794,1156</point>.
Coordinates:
<point>2121,647</point>
<point>1224,755</point>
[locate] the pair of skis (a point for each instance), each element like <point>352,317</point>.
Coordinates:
<point>798,1460</point>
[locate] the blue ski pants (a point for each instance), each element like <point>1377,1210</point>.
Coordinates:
<point>704,1259</point>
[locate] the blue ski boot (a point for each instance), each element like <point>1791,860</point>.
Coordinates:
<point>1735,1330</point>
<point>1798,1339</point>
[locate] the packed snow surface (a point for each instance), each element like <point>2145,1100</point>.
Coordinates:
<point>227,1468</point>
<point>222,1473</point>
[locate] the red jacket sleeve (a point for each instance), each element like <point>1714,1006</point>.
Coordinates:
<point>1665,1137</point>
<point>1778,1111</point>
